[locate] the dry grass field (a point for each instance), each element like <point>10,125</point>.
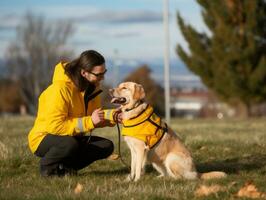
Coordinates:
<point>237,147</point>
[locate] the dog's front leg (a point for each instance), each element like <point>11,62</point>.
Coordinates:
<point>140,162</point>
<point>130,144</point>
<point>137,150</point>
<point>133,164</point>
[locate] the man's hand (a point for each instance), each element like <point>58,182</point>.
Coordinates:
<point>118,115</point>
<point>97,117</point>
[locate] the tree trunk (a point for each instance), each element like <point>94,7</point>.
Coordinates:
<point>243,110</point>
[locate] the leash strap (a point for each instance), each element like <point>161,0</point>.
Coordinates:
<point>119,147</point>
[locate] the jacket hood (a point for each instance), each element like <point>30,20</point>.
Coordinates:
<point>59,73</point>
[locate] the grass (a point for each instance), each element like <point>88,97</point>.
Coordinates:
<point>237,147</point>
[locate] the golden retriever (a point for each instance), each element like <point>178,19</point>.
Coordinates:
<point>167,154</point>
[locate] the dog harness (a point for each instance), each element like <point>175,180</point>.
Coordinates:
<point>147,126</point>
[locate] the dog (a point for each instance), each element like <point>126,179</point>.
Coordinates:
<point>149,138</point>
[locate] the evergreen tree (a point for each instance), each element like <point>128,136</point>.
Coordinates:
<point>154,92</point>
<point>231,60</point>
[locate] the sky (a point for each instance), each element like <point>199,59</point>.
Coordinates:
<point>128,30</point>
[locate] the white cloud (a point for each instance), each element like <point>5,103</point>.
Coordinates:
<point>121,16</point>
<point>9,21</point>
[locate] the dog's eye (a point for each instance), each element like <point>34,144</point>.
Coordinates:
<point>123,88</point>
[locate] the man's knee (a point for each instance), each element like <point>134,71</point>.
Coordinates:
<point>108,148</point>
<point>69,146</point>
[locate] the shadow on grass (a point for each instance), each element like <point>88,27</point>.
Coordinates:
<point>111,172</point>
<point>230,166</point>
<point>234,165</point>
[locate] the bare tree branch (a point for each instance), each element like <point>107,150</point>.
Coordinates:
<point>31,58</point>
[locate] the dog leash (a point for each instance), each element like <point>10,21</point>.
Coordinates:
<point>119,147</point>
<point>119,142</point>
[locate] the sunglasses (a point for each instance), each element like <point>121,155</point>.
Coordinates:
<point>99,74</point>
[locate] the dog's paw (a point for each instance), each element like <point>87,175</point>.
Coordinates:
<point>136,179</point>
<point>160,176</point>
<point>128,178</point>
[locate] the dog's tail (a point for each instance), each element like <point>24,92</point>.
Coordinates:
<point>179,167</point>
<point>212,175</point>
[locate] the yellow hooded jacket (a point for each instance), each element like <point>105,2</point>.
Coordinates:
<point>146,127</point>
<point>61,110</point>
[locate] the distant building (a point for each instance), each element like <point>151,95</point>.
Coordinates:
<point>192,103</point>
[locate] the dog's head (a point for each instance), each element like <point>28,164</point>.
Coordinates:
<point>127,94</point>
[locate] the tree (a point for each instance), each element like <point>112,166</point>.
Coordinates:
<point>39,45</point>
<point>10,101</point>
<point>154,92</point>
<point>231,60</point>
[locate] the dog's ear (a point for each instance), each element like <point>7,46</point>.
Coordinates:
<point>138,92</point>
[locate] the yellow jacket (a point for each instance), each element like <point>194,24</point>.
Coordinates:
<point>61,110</point>
<point>146,127</point>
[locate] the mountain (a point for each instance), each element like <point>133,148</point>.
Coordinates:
<point>180,76</point>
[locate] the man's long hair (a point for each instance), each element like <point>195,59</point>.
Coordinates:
<point>87,60</point>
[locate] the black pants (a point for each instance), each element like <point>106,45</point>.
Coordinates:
<point>72,152</point>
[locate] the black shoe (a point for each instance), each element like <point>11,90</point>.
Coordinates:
<point>60,170</point>
<point>57,170</point>
<point>63,170</point>
<point>47,171</point>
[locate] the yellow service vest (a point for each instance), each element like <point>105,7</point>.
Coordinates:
<point>146,127</point>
